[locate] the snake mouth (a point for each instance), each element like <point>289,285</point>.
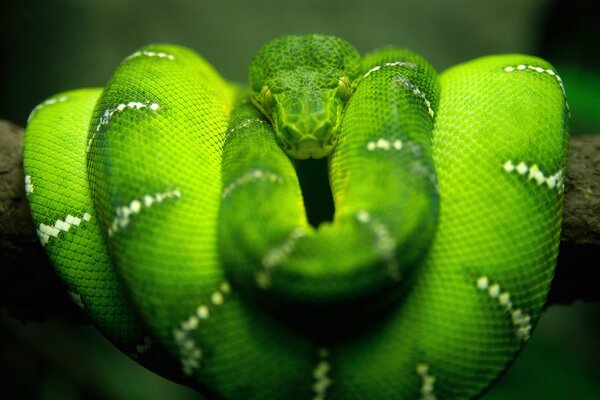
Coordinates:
<point>298,145</point>
<point>310,147</point>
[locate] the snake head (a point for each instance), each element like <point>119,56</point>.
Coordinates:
<point>302,84</point>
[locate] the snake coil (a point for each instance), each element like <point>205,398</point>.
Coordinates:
<point>169,202</point>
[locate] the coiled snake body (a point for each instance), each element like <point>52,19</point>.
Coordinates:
<point>169,203</point>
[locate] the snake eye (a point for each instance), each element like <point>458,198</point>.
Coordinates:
<point>344,88</point>
<point>267,97</point>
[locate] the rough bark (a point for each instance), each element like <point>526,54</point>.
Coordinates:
<point>30,290</point>
<point>579,257</point>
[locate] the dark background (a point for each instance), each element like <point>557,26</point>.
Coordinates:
<point>52,46</point>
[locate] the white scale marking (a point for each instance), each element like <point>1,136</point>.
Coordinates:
<point>408,85</point>
<point>320,374</point>
<point>404,81</point>
<point>124,213</point>
<point>404,64</point>
<point>45,232</point>
<point>385,144</point>
<point>523,67</point>
<point>29,187</point>
<point>533,173</point>
<point>145,346</point>
<point>384,243</point>
<point>46,103</point>
<point>276,256</point>
<point>151,54</point>
<point>251,176</point>
<point>189,351</point>
<point>427,382</point>
<point>246,123</point>
<point>76,298</point>
<point>108,114</point>
<point>520,320</point>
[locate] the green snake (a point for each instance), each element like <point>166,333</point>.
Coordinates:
<point>173,205</point>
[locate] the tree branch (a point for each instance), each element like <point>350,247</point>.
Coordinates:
<point>30,290</point>
<point>579,256</point>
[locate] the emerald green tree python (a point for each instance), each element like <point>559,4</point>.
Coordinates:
<point>170,204</point>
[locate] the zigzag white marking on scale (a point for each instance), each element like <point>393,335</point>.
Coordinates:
<point>108,114</point>
<point>45,104</point>
<point>124,213</point>
<point>541,70</point>
<point>251,176</point>
<point>146,53</point>
<point>521,321</point>
<point>408,85</point>
<point>525,67</point>
<point>145,346</point>
<point>385,144</point>
<point>533,173</point>
<point>76,298</point>
<point>244,123</point>
<point>189,351</point>
<point>276,256</point>
<point>405,82</point>
<point>320,375</point>
<point>384,243</point>
<point>427,382</point>
<point>29,187</point>
<point>405,64</point>
<point>45,232</point>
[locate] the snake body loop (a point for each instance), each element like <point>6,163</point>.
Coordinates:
<point>386,221</point>
<point>169,203</point>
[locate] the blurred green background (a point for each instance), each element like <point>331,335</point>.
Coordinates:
<point>51,46</point>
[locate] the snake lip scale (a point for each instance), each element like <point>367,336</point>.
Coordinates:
<point>187,218</point>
